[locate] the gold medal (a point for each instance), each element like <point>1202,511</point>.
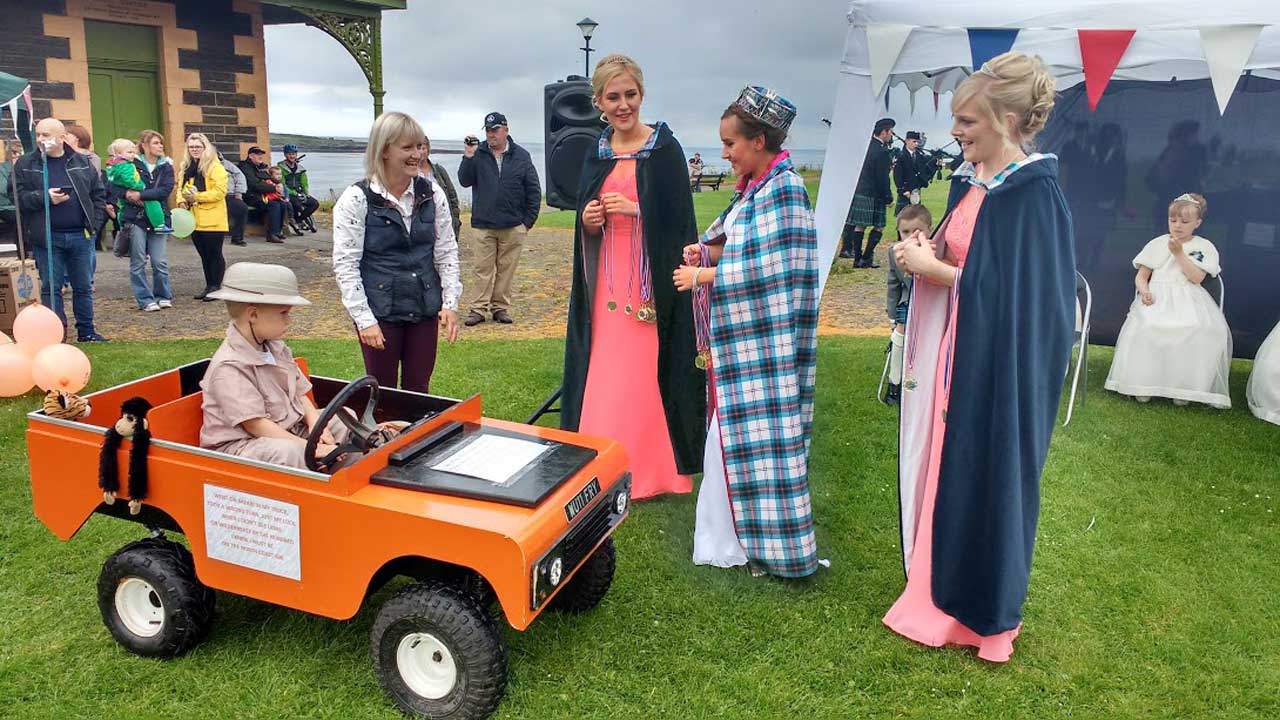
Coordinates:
<point>627,308</point>
<point>702,359</point>
<point>611,306</point>
<point>646,313</point>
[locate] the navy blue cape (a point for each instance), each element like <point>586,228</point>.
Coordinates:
<point>1013,342</point>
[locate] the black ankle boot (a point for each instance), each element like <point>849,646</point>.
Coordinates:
<point>868,259</point>
<point>893,395</point>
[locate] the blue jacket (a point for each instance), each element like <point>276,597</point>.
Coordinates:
<point>502,200</point>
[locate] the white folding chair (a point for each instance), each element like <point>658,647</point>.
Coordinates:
<point>1080,341</point>
<point>884,374</point>
<point>1222,293</point>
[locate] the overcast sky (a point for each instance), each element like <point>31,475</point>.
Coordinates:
<point>448,63</point>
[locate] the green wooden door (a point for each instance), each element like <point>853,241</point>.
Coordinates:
<point>124,81</point>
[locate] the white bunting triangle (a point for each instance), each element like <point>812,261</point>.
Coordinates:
<point>1227,49</point>
<point>884,45</point>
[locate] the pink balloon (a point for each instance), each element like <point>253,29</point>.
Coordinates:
<point>15,371</point>
<point>61,367</point>
<point>37,327</point>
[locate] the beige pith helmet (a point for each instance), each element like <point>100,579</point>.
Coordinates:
<point>259,284</point>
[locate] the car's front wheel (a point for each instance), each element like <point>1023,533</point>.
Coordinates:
<point>438,654</point>
<point>151,600</point>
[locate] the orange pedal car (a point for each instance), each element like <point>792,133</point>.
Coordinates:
<point>474,509</point>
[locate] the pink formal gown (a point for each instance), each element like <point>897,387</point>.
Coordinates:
<point>621,398</point>
<point>914,615</point>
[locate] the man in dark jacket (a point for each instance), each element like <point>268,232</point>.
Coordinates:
<point>505,200</point>
<point>911,171</point>
<point>871,197</point>
<point>74,202</point>
<point>258,178</point>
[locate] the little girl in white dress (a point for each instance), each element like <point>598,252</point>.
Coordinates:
<point>1175,343</point>
<point>1263,392</point>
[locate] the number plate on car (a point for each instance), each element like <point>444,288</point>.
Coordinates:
<point>582,499</point>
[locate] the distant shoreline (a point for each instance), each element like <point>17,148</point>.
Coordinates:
<point>310,143</point>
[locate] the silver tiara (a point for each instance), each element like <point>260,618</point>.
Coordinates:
<point>1187,197</point>
<point>767,106</point>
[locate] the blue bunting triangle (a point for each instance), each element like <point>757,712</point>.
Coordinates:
<point>986,43</point>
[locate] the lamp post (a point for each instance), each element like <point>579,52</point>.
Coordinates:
<point>587,26</point>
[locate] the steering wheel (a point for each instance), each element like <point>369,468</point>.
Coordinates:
<point>363,434</point>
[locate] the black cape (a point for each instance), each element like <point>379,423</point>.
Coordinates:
<point>1013,340</point>
<point>666,210</point>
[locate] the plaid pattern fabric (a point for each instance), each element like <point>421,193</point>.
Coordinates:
<point>606,150</point>
<point>866,212</point>
<point>764,320</point>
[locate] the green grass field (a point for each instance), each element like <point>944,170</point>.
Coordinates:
<point>1153,593</point>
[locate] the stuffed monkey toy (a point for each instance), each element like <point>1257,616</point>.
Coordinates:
<point>132,424</point>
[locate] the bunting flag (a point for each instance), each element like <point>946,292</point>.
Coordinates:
<point>911,100</point>
<point>884,45</point>
<point>1227,49</point>
<point>935,103</point>
<point>1100,53</point>
<point>886,99</point>
<point>986,43</point>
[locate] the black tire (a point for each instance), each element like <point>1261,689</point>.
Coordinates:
<point>590,584</point>
<point>162,573</point>
<point>447,619</point>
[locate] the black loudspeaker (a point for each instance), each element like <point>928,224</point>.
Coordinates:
<point>573,128</point>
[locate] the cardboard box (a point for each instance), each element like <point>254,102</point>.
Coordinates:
<point>19,287</point>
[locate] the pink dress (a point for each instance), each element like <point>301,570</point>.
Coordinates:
<point>621,399</point>
<point>914,615</point>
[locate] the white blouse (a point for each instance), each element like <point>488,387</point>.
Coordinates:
<point>348,247</point>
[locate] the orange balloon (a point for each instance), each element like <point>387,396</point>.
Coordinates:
<point>37,327</point>
<point>61,367</point>
<point>15,371</point>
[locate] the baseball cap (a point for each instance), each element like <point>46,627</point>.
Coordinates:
<point>255,150</point>
<point>494,119</point>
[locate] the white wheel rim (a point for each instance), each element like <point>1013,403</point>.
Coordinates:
<point>139,607</point>
<point>426,665</point>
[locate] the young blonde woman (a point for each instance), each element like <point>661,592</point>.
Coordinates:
<point>204,193</point>
<point>988,337</point>
<point>629,366</point>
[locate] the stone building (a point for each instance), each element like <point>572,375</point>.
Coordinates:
<point>179,66</point>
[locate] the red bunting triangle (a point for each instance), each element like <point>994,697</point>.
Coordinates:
<point>1100,53</point>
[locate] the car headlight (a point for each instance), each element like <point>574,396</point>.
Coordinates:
<point>620,501</point>
<point>555,572</point>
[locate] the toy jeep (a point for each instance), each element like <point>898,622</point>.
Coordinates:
<point>534,534</point>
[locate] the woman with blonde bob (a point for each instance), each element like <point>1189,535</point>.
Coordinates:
<point>629,364</point>
<point>989,335</point>
<point>395,257</point>
<point>204,193</point>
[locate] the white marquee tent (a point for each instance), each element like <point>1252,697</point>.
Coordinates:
<point>927,45</point>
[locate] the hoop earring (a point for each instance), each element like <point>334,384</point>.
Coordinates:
<point>603,119</point>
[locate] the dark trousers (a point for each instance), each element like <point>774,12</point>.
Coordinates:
<point>209,245</point>
<point>237,213</point>
<point>272,212</point>
<point>73,259</point>
<point>303,206</point>
<point>903,201</point>
<point>8,225</point>
<point>408,356</point>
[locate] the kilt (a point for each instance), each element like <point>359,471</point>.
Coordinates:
<point>866,212</point>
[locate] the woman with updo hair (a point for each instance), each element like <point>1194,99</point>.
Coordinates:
<point>754,278</point>
<point>629,363</point>
<point>988,340</point>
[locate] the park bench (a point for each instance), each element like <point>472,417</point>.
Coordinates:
<point>707,180</point>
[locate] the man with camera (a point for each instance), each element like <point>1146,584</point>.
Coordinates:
<point>505,200</point>
<point>74,201</point>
